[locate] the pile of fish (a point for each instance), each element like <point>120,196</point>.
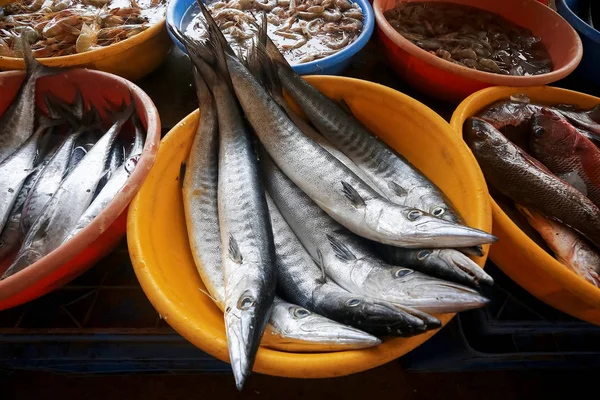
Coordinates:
<point>304,30</point>
<point>471,37</point>
<point>320,235</point>
<point>63,27</point>
<point>56,177</point>
<point>546,160</point>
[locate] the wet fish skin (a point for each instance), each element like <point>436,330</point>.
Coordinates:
<point>300,330</point>
<point>587,120</point>
<point>569,247</point>
<point>395,176</point>
<point>526,181</point>
<point>14,170</point>
<point>17,122</point>
<point>446,264</point>
<point>200,195</point>
<point>304,283</point>
<point>333,186</point>
<point>47,183</point>
<point>114,185</point>
<point>349,262</point>
<point>11,236</point>
<point>248,252</point>
<point>560,147</point>
<point>68,203</point>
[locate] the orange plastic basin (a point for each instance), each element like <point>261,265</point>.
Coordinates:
<point>515,253</point>
<point>131,59</point>
<point>106,231</point>
<point>163,263</point>
<point>445,80</point>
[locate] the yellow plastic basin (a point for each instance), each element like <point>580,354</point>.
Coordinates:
<point>515,253</point>
<point>160,252</point>
<point>131,59</point>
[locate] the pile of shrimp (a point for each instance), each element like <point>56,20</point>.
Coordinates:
<point>62,27</point>
<point>304,30</point>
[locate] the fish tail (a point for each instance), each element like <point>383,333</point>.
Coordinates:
<point>262,65</point>
<point>217,45</point>
<point>33,67</point>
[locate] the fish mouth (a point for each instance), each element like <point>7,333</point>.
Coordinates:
<point>437,296</point>
<point>386,318</point>
<point>243,339</point>
<point>466,267</point>
<point>436,233</point>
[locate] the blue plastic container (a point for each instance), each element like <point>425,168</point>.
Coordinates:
<point>332,65</point>
<point>590,37</point>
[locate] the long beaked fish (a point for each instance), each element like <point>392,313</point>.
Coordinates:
<point>303,282</point>
<point>349,262</point>
<point>248,252</point>
<point>342,194</point>
<point>528,182</point>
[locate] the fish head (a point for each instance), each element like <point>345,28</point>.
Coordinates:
<point>300,325</point>
<point>372,315</point>
<point>245,321</point>
<point>418,229</point>
<point>458,264</point>
<point>480,135</point>
<point>551,132</point>
<point>434,295</point>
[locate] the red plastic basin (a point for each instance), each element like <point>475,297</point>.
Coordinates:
<point>104,233</point>
<point>445,80</point>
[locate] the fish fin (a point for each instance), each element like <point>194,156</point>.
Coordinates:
<point>573,179</point>
<point>33,67</point>
<point>352,195</point>
<point>341,250</point>
<point>275,55</point>
<point>182,169</point>
<point>344,106</point>
<point>199,53</point>
<point>321,265</point>
<point>594,114</point>
<point>218,44</point>
<point>234,250</point>
<point>397,189</point>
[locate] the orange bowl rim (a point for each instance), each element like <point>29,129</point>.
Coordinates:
<point>481,76</point>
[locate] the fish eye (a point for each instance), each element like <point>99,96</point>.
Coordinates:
<point>480,133</point>
<point>353,302</point>
<point>414,215</point>
<point>438,211</point>
<point>301,313</point>
<point>1,244</point>
<point>402,272</point>
<point>246,302</point>
<point>538,131</point>
<point>423,254</point>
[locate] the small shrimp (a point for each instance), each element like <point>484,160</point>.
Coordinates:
<point>332,15</point>
<point>354,13</point>
<point>352,25</point>
<point>86,41</point>
<point>343,4</point>
<point>336,45</point>
<point>267,6</point>
<point>239,35</point>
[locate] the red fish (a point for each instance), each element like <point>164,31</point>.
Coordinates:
<point>566,152</point>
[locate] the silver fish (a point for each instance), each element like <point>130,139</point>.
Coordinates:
<point>447,264</point>
<point>343,195</point>
<point>305,331</point>
<point>47,183</point>
<point>200,196</point>
<point>291,328</point>
<point>402,182</point>
<point>248,252</point>
<point>303,282</point>
<point>14,170</point>
<point>346,259</point>
<point>17,122</point>
<point>11,236</point>
<point>64,208</point>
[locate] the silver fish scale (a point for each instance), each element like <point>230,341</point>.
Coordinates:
<point>378,161</point>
